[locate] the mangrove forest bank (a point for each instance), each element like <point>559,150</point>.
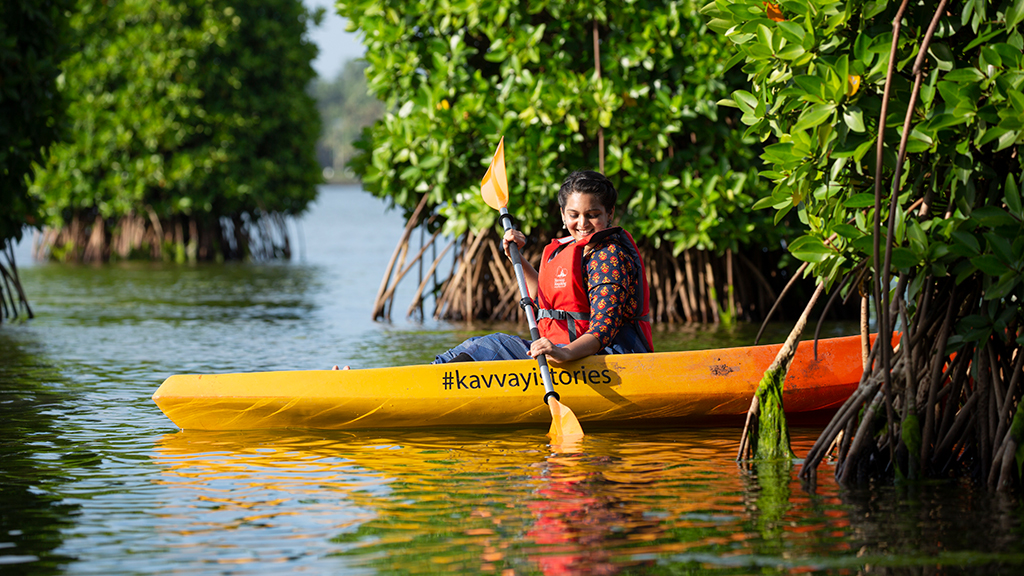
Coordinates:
<point>568,87</point>
<point>190,132</point>
<point>895,133</point>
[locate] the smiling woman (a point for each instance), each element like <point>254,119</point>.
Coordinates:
<point>591,287</point>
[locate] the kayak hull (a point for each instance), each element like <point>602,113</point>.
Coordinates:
<point>705,387</point>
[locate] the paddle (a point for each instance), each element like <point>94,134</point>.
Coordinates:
<point>494,189</point>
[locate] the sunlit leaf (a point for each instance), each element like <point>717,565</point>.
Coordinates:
<point>810,249</point>
<point>1015,14</point>
<point>814,115</point>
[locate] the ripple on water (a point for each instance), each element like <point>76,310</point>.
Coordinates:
<point>95,480</point>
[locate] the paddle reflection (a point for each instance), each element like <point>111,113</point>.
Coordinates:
<point>579,521</point>
<point>470,502</point>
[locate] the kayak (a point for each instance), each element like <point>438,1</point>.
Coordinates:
<point>702,388</point>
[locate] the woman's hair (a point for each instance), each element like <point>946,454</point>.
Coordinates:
<point>588,182</point>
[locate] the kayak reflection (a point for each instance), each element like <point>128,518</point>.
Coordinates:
<point>469,502</point>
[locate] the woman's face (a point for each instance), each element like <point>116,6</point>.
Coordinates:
<point>583,215</point>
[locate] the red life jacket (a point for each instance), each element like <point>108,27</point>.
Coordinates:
<point>564,313</point>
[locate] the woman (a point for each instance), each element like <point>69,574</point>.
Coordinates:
<point>591,289</point>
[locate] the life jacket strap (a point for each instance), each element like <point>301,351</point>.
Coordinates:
<point>566,316</point>
<point>562,315</point>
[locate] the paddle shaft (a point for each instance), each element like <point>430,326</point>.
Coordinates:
<point>527,305</point>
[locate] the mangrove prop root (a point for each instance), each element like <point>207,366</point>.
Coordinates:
<point>471,278</point>
<point>955,412</point>
<point>12,295</point>
<point>88,237</point>
<point>951,407</point>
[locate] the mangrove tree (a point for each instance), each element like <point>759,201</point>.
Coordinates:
<point>193,135</point>
<point>32,117</point>
<point>893,131</point>
<point>627,88</point>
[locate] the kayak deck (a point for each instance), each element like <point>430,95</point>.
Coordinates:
<point>704,387</point>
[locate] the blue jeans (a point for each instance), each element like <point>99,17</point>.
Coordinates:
<point>495,346</point>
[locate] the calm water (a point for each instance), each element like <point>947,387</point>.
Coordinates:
<point>95,480</point>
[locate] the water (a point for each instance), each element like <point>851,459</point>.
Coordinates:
<point>95,480</point>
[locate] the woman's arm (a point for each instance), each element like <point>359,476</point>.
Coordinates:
<point>529,272</point>
<point>579,348</point>
<point>611,292</point>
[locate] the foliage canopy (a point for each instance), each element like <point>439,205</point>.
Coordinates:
<point>32,112</point>
<point>817,72</point>
<point>190,109</point>
<point>458,75</point>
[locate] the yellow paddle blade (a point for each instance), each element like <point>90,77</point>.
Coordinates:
<point>494,186</point>
<point>564,425</point>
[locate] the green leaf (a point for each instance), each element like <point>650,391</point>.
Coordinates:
<point>814,115</point>
<point>811,85</point>
<point>961,75</point>
<point>944,57</point>
<point>990,265</point>
<point>992,216</point>
<point>903,258</point>
<point>854,118</point>
<point>746,101</point>
<point>810,249</point>
<point>1015,14</point>
<point>993,133</point>
<point>873,8</point>
<point>865,245</point>
<point>965,241</point>
<point>791,52</point>
<point>791,30</point>
<point>1002,288</point>
<point>984,37</point>
<point>941,121</point>
<point>847,231</point>
<point>1001,248</point>
<point>860,200</point>
<point>1011,194</point>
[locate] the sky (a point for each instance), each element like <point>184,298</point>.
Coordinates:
<point>336,45</point>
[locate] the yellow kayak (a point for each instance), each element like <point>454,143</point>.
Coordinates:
<point>704,387</point>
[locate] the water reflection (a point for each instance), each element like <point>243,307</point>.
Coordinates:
<point>93,481</point>
<point>177,295</point>
<point>35,461</point>
<point>486,502</point>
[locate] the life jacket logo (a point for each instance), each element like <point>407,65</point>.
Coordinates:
<point>561,276</point>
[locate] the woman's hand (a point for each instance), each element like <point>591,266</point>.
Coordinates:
<point>556,354</point>
<point>513,236</point>
<point>581,347</point>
